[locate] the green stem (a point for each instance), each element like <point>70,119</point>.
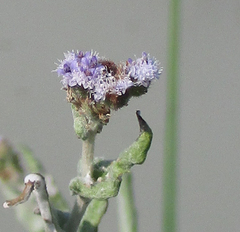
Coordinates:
<point>109,177</point>
<point>126,207</point>
<point>170,149</point>
<point>93,216</point>
<point>86,169</point>
<point>77,213</point>
<point>87,155</point>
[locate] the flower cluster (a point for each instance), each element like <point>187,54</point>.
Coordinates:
<point>143,70</point>
<point>102,79</point>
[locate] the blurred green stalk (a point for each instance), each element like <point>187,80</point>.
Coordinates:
<point>127,212</point>
<point>170,146</point>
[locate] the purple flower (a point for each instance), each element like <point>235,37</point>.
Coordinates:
<point>122,85</point>
<point>102,78</point>
<point>79,69</point>
<point>68,65</point>
<point>143,70</point>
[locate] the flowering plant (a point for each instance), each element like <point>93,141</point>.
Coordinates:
<point>94,87</point>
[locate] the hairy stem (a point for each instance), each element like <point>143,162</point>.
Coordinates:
<point>87,155</point>
<point>77,213</point>
<point>93,216</point>
<point>86,170</point>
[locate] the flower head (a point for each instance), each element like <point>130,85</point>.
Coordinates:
<point>98,84</point>
<point>82,69</point>
<point>101,78</point>
<point>143,70</point>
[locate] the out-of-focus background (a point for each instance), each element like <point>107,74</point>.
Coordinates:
<point>33,109</point>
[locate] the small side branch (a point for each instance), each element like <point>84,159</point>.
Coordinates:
<point>36,183</point>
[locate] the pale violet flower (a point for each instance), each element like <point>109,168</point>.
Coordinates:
<point>143,70</point>
<point>101,78</point>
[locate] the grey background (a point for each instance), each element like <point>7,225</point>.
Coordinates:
<point>33,109</point>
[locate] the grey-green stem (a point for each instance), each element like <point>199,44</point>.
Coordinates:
<point>77,213</point>
<point>93,216</point>
<point>86,168</point>
<point>86,171</point>
<point>108,179</point>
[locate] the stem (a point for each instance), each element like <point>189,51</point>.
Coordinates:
<point>44,207</point>
<point>77,213</point>
<point>170,149</point>
<point>126,208</point>
<point>111,177</point>
<point>93,216</point>
<point>34,165</point>
<point>88,155</point>
<point>86,170</point>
